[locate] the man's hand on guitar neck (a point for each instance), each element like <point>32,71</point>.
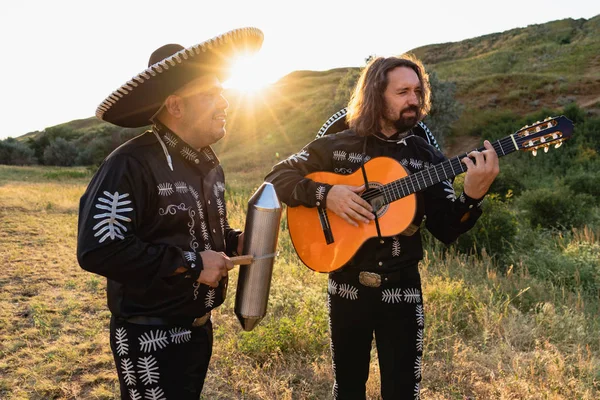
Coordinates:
<point>346,203</point>
<point>482,172</point>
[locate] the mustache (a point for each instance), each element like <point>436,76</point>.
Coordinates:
<point>415,109</point>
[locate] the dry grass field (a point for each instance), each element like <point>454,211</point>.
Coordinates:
<point>488,335</point>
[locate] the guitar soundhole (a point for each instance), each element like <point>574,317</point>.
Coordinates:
<point>375,197</point>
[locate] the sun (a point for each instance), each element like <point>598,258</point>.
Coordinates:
<point>248,75</point>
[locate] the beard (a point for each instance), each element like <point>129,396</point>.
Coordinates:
<point>403,124</point>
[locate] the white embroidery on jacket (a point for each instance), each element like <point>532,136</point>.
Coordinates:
<point>320,193</point>
<point>188,153</point>
<point>417,164</point>
<point>165,189</point>
<point>181,187</point>
<point>171,209</point>
<point>355,157</point>
<point>344,171</point>
<point>210,298</point>
<point>450,190</point>
<point>170,139</point>
<point>302,155</point>
<point>113,228</point>
<point>339,155</point>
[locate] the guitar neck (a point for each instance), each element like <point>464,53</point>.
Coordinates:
<point>444,171</point>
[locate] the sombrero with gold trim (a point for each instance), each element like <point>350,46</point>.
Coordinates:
<point>170,67</point>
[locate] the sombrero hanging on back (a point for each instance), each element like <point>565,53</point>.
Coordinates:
<point>337,123</point>
<point>170,67</point>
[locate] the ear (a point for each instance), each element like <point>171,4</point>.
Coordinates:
<point>174,106</point>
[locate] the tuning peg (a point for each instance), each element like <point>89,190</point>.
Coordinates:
<point>546,148</point>
<point>554,136</point>
<point>530,143</point>
<point>543,139</point>
<point>534,152</point>
<point>557,145</point>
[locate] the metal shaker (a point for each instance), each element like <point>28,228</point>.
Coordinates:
<point>260,240</point>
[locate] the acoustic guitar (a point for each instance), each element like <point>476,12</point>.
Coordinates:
<point>325,242</point>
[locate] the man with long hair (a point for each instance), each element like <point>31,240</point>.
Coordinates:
<point>378,292</point>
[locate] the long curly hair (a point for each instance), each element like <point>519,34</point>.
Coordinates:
<point>367,104</point>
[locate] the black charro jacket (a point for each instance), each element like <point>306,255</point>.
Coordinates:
<point>446,216</point>
<point>153,206</point>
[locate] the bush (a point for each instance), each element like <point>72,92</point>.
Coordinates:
<point>495,231</point>
<point>561,259</point>
<point>585,182</point>
<point>557,207</point>
<point>13,152</point>
<point>60,152</point>
<point>95,151</point>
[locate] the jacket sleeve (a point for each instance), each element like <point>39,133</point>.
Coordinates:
<point>112,213</point>
<point>289,176</point>
<point>448,216</point>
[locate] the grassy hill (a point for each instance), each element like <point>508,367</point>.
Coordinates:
<point>518,71</point>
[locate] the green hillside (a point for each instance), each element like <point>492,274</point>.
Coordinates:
<point>518,71</point>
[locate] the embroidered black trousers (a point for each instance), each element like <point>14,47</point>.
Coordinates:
<point>393,314</point>
<point>160,362</point>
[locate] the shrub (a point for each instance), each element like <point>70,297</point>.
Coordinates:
<point>60,152</point>
<point>13,152</point>
<point>557,207</point>
<point>495,231</point>
<point>585,182</point>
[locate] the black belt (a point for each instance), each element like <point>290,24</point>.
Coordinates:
<point>144,320</point>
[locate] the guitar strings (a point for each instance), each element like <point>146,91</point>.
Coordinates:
<point>391,191</point>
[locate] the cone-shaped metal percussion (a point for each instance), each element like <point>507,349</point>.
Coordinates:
<point>260,240</point>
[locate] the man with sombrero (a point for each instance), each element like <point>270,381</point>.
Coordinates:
<point>153,218</point>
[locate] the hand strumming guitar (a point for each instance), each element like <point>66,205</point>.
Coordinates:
<point>346,203</point>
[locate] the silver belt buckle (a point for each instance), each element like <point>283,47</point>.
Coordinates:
<point>200,321</point>
<point>370,279</point>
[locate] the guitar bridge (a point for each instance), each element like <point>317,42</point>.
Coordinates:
<point>325,226</point>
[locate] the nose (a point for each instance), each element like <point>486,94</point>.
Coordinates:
<point>414,99</point>
<point>223,103</point>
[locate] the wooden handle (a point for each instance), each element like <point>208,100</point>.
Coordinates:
<point>242,260</point>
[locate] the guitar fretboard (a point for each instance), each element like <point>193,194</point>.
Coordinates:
<point>441,172</point>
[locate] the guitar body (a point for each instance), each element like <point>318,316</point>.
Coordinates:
<point>306,230</point>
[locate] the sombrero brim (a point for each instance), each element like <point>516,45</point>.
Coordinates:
<point>134,103</point>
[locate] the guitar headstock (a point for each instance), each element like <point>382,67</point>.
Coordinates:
<point>543,134</point>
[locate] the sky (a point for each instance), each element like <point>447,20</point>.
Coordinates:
<point>62,58</point>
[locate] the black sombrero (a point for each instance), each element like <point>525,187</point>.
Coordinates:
<point>337,123</point>
<point>170,67</point>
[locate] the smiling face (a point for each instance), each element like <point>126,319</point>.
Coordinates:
<point>203,111</point>
<point>402,98</point>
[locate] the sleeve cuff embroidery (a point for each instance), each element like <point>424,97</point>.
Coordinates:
<point>470,202</point>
